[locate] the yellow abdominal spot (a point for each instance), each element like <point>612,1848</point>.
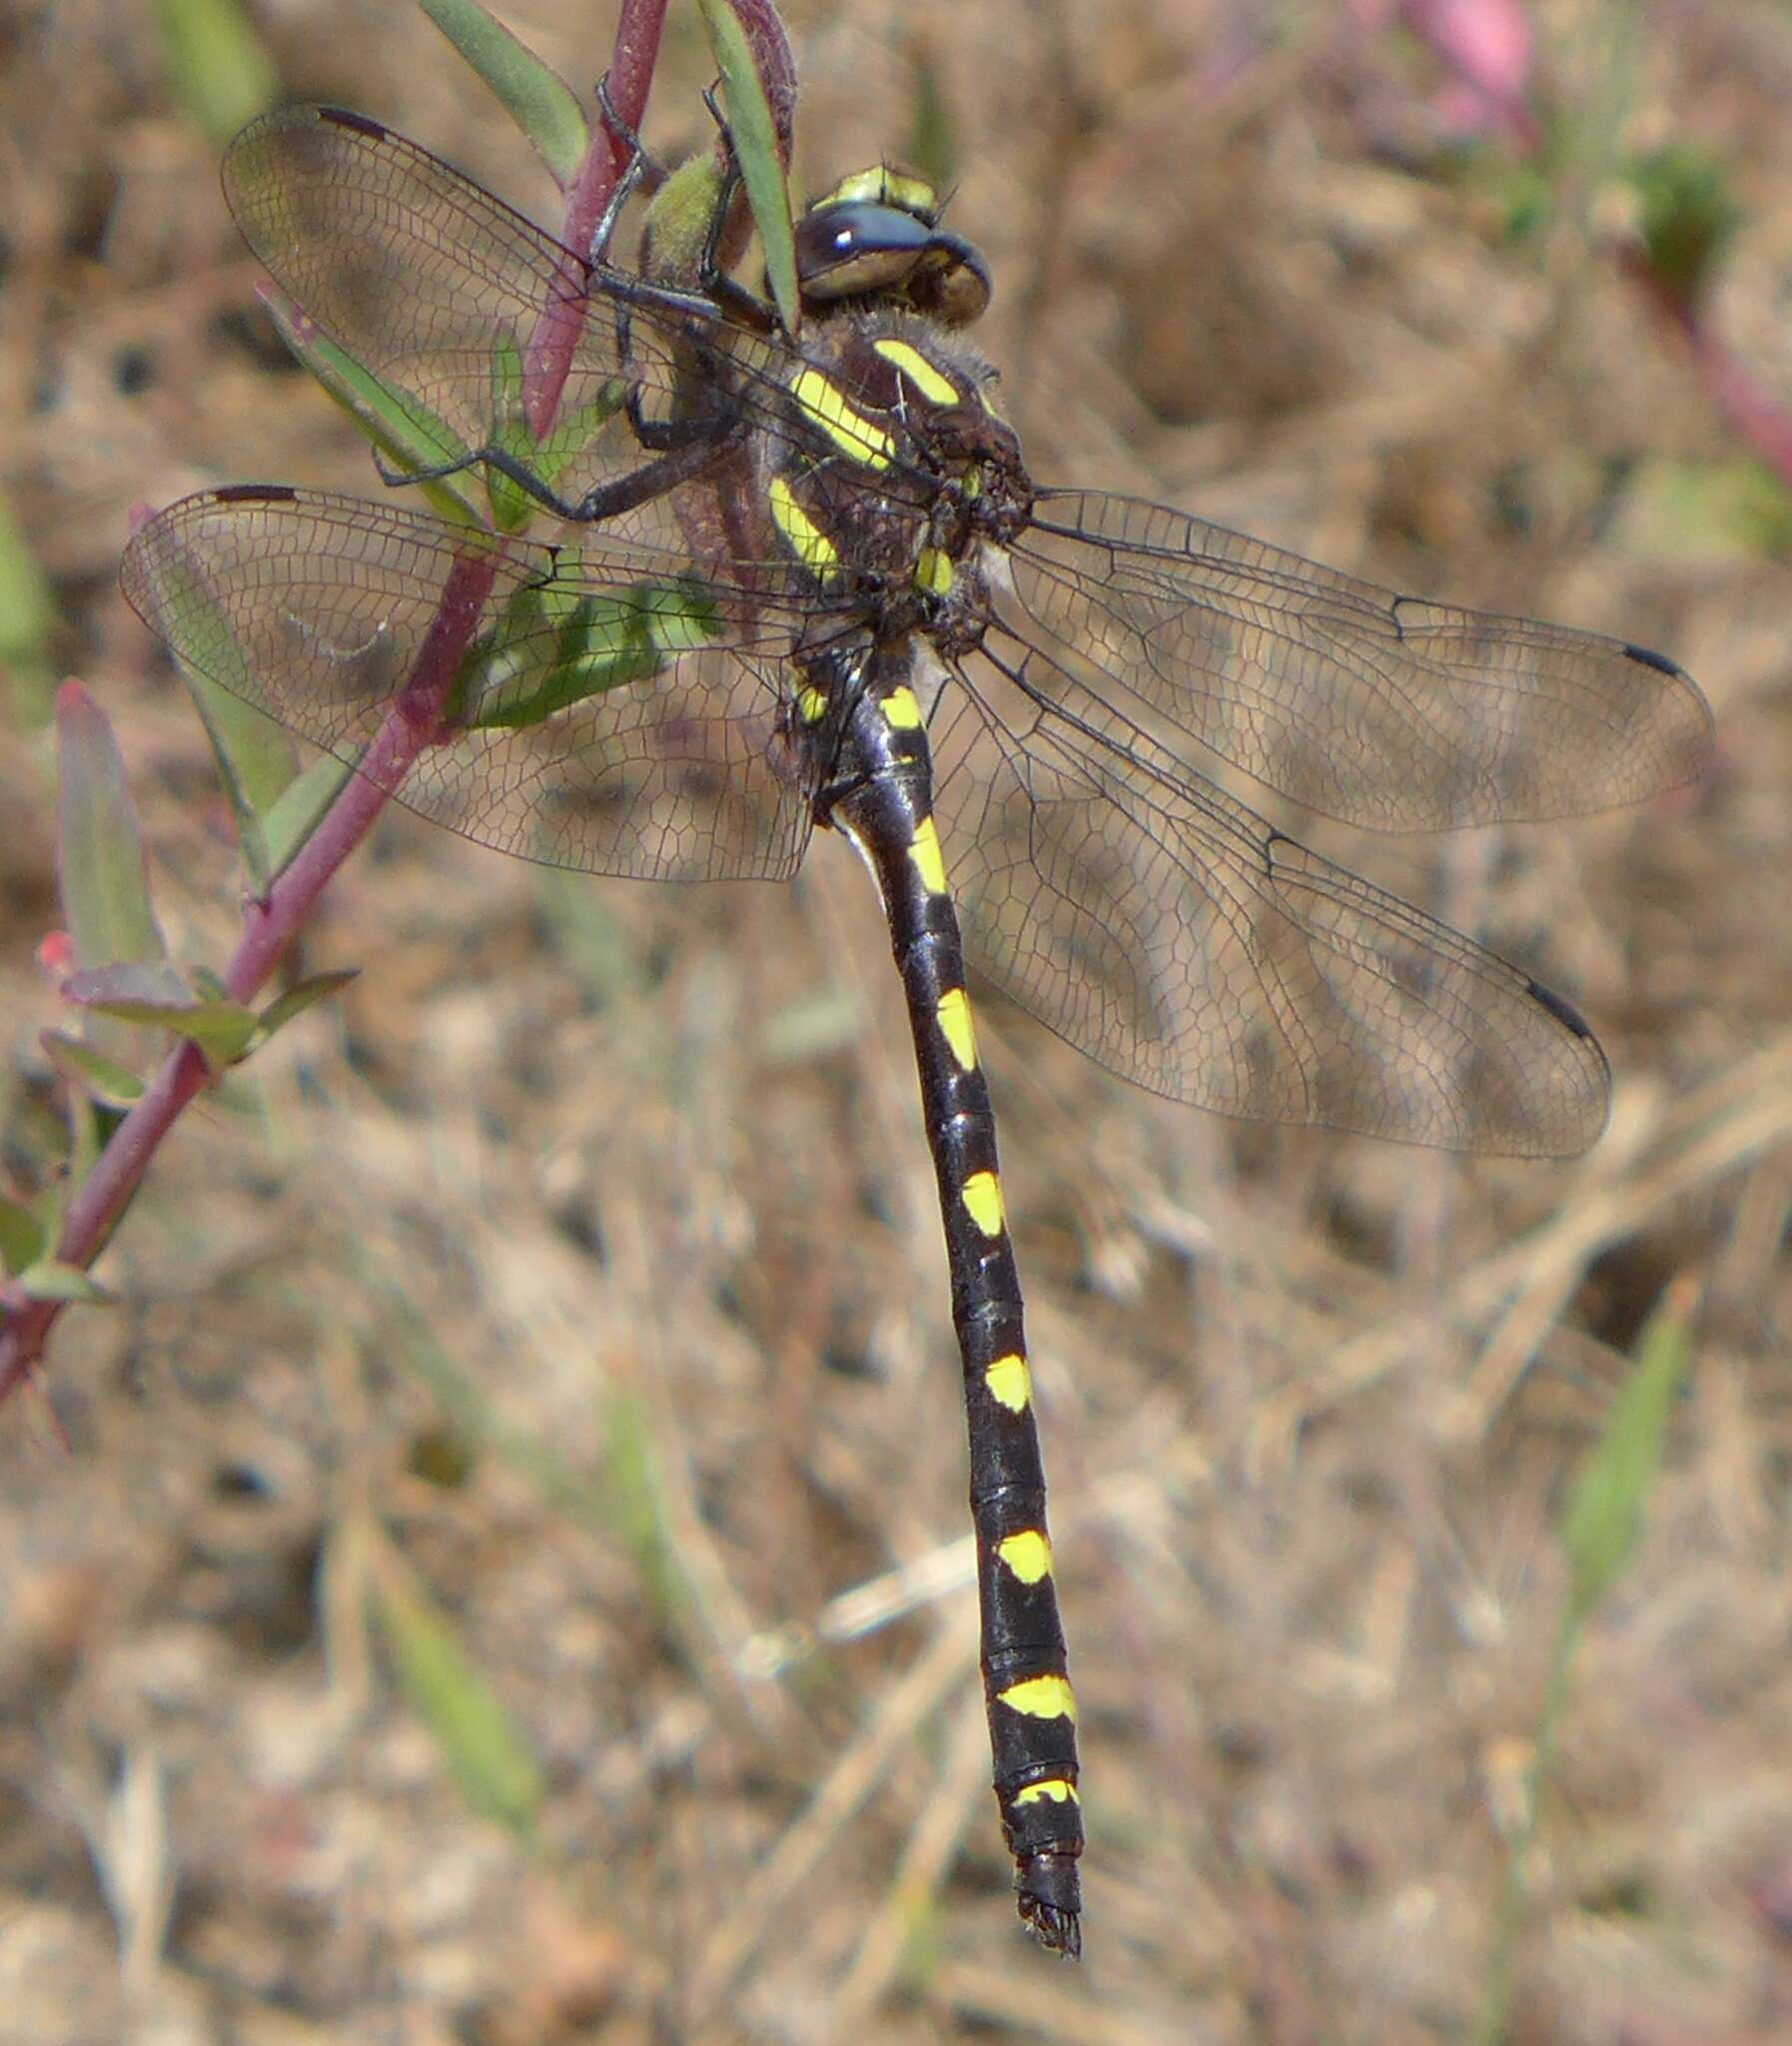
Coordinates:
<point>933,571</point>
<point>811,704</point>
<point>930,862</point>
<point>900,711</point>
<point>935,387</point>
<point>1010,1382</point>
<point>1041,1698</point>
<point>1054,1788</point>
<point>1028,1555</point>
<point>953,1015</point>
<point>982,1195</point>
<point>856,437</point>
<point>807,540</point>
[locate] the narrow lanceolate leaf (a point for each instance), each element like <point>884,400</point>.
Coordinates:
<point>749,85</point>
<point>599,642</point>
<point>21,1236</point>
<point>27,612</point>
<point>536,98</point>
<point>1605,1514</point>
<point>255,763</point>
<point>99,849</point>
<point>217,64</point>
<point>158,996</point>
<point>48,1279</point>
<point>496,1773</point>
<point>109,1084</point>
<point>302,804</point>
<point>404,430</point>
<point>297,1000</point>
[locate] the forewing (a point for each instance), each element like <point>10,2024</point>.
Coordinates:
<point>441,291</point>
<point>1164,928</point>
<point>612,715</point>
<point>1380,709</point>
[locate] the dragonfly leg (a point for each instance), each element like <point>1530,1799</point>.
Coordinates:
<point>691,450</point>
<point>638,170</point>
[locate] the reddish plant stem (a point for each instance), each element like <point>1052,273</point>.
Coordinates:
<point>416,723</point>
<point>548,355</point>
<point>270,924</point>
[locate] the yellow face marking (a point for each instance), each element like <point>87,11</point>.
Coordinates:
<point>1028,1555</point>
<point>811,704</point>
<point>1054,1790</point>
<point>954,1018</point>
<point>1010,1382</point>
<point>983,1196</point>
<point>1041,1698</point>
<point>807,540</point>
<point>933,571</point>
<point>900,711</point>
<point>930,862</point>
<point>860,439</point>
<point>933,385</point>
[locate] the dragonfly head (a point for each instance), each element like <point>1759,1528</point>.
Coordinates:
<point>876,238</point>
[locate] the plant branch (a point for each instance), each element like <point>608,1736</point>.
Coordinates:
<point>418,722</point>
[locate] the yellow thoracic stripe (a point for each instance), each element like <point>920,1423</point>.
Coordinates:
<point>1055,1788</point>
<point>1028,1555</point>
<point>1010,1382</point>
<point>806,540</point>
<point>933,571</point>
<point>933,385</point>
<point>954,1017</point>
<point>856,437</point>
<point>1041,1698</point>
<point>930,862</point>
<point>982,1195</point>
<point>900,711</point>
<point>811,703</point>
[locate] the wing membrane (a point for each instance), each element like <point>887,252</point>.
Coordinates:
<point>1164,928</point>
<point>441,291</point>
<point>613,716</point>
<point>1380,710</point>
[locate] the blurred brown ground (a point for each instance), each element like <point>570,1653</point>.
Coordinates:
<point>582,1260</point>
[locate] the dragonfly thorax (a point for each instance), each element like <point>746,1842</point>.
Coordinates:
<point>897,476</point>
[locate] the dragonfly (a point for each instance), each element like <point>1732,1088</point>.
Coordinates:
<point>805,581</point>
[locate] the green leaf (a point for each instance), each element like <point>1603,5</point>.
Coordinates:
<point>99,849</point>
<point>496,1773</point>
<point>110,1084</point>
<point>253,759</point>
<point>635,1495</point>
<point>599,642</point>
<point>22,1237</point>
<point>1688,216</point>
<point>27,613</point>
<point>217,64</point>
<point>402,427</point>
<point>303,803</point>
<point>49,1280</point>
<point>547,459</point>
<point>536,98</point>
<point>759,150</point>
<point>281,1011</point>
<point>1703,511</point>
<point>1605,1513</point>
<point>159,997</point>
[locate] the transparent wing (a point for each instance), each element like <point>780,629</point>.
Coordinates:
<point>1164,928</point>
<point>1380,709</point>
<point>443,291</point>
<point>615,715</point>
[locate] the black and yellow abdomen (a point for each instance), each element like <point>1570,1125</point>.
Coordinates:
<point>882,770</point>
